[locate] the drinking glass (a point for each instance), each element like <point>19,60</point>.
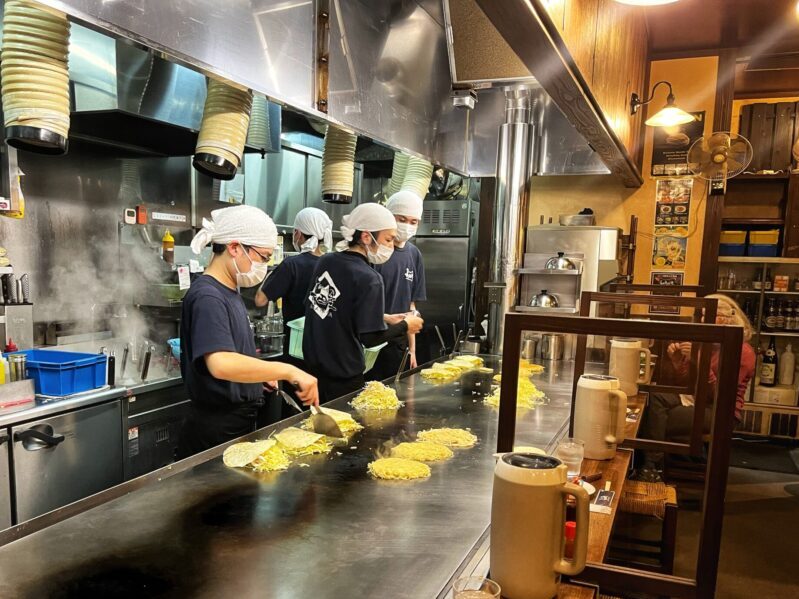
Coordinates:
<point>570,451</point>
<point>475,587</point>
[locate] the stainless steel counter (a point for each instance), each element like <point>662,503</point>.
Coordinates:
<point>82,400</point>
<point>200,529</point>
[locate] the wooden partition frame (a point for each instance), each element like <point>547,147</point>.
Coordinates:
<point>704,311</point>
<point>729,340</point>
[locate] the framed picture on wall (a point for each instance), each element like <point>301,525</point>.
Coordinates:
<point>670,146</point>
<point>666,279</point>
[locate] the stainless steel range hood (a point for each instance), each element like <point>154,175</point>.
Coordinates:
<point>128,97</point>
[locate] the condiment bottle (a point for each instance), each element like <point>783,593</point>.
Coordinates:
<point>570,532</point>
<point>168,247</point>
<point>11,346</point>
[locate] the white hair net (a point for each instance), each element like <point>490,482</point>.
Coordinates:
<point>246,224</point>
<point>366,217</point>
<point>405,203</point>
<point>316,226</point>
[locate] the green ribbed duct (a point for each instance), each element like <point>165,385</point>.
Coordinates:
<point>34,75</point>
<point>338,165</point>
<point>418,174</point>
<point>226,117</point>
<point>398,170</point>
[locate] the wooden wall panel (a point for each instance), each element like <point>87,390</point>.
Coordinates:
<point>579,33</point>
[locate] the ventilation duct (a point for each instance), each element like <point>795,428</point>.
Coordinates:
<point>223,131</point>
<point>398,170</point>
<point>259,134</point>
<point>35,77</point>
<point>417,176</point>
<point>338,165</point>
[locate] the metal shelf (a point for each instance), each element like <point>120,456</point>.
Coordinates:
<point>569,310</point>
<point>766,332</point>
<point>549,271</point>
<point>757,291</point>
<point>757,260</point>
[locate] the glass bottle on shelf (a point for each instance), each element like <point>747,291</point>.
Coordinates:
<point>796,283</point>
<point>780,325</point>
<point>768,284</point>
<point>770,320</point>
<point>789,316</point>
<point>757,280</point>
<point>768,368</point>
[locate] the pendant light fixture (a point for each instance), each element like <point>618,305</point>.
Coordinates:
<point>668,116</point>
<point>646,2</point>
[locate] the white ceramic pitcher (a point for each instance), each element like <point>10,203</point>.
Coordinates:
<point>600,415</point>
<point>625,364</point>
<point>528,512</point>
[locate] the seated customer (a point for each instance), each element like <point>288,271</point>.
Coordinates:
<point>670,416</point>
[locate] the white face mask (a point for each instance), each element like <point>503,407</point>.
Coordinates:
<point>380,256</point>
<point>405,231</point>
<point>255,276</point>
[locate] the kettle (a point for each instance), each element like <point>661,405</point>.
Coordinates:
<point>528,514</point>
<point>600,415</point>
<point>625,364</point>
<point>560,262</point>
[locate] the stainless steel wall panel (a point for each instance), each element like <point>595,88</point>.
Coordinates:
<point>389,77</point>
<point>5,480</point>
<point>87,461</point>
<point>266,45</point>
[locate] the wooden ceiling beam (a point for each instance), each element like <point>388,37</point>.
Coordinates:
<point>530,32</point>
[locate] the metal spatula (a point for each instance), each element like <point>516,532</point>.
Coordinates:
<point>324,424</point>
<point>289,400</point>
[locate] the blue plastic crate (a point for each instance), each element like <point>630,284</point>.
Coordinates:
<point>60,373</point>
<point>762,249</point>
<point>732,249</point>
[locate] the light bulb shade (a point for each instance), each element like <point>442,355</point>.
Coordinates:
<point>669,116</point>
<point>646,2</point>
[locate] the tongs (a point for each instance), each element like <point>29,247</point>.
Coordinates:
<point>324,424</point>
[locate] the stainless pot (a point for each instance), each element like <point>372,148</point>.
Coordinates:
<point>560,262</point>
<point>469,346</point>
<point>551,346</point>
<point>528,348</point>
<point>544,300</point>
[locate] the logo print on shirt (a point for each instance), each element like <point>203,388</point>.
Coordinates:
<point>408,275</point>
<point>324,295</point>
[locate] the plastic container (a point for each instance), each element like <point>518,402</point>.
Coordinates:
<point>733,237</point>
<point>732,249</point>
<point>759,249</point>
<point>62,373</point>
<point>295,344</point>
<point>771,237</point>
<point>174,345</point>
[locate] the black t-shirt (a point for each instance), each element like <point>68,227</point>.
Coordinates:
<point>403,278</point>
<point>290,281</point>
<point>345,300</point>
<point>214,319</point>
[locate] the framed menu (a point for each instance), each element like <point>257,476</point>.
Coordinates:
<point>670,146</point>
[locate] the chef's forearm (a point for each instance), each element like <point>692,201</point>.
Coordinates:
<point>238,368</point>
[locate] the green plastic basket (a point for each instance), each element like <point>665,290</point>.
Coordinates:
<point>295,344</point>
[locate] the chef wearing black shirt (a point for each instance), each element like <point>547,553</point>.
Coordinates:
<point>223,377</point>
<point>346,301</point>
<point>404,282</point>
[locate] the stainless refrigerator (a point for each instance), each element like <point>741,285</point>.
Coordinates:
<point>447,238</point>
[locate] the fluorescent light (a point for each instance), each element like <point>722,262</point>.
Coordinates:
<point>646,2</point>
<point>669,116</point>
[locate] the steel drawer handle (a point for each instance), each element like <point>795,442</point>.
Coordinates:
<point>31,433</point>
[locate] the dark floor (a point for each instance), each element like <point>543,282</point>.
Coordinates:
<point>760,537</point>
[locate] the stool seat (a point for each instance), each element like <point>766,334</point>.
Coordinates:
<point>646,498</point>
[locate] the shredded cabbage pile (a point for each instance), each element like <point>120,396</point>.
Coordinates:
<point>376,396</point>
<point>296,442</point>
<point>528,396</point>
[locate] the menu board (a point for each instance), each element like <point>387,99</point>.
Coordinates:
<point>670,146</point>
<point>666,279</point>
